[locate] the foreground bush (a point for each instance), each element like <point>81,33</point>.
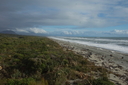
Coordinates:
<point>26,81</point>
<point>29,60</point>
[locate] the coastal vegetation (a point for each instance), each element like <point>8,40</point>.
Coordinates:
<point>31,60</point>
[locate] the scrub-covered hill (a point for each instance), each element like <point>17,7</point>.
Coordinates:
<point>30,60</point>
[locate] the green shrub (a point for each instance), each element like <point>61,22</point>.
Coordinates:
<point>26,59</point>
<point>102,81</point>
<point>26,81</point>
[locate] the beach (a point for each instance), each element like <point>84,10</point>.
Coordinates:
<point>115,62</point>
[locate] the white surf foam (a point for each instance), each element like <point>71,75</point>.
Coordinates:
<point>106,46</point>
<point>96,39</point>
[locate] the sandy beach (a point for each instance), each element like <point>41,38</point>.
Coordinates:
<point>114,61</point>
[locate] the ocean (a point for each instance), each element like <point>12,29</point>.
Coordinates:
<point>119,44</point>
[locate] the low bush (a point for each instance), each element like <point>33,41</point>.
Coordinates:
<point>26,59</point>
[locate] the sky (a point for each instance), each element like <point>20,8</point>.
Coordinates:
<point>65,17</point>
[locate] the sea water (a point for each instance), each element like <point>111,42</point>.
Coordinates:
<point>112,43</point>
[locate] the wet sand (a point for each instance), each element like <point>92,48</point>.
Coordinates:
<point>112,60</point>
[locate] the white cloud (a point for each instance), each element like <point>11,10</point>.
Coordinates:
<point>91,33</point>
<point>72,32</point>
<point>31,30</point>
<point>36,30</point>
<point>120,31</point>
<point>21,30</point>
<point>85,13</point>
<point>67,32</point>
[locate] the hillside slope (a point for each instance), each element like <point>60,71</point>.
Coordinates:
<point>30,60</point>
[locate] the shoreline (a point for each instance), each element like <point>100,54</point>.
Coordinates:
<point>112,47</point>
<point>113,61</point>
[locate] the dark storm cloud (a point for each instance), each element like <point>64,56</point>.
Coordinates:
<point>24,14</point>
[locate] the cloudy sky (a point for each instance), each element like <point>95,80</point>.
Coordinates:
<point>65,17</point>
